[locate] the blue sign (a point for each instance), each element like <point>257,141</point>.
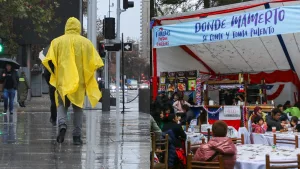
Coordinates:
<point>273,21</point>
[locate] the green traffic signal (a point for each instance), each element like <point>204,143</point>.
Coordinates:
<point>1,48</point>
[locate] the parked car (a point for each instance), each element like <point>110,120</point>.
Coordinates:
<point>113,88</point>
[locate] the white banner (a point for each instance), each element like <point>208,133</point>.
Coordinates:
<point>231,113</point>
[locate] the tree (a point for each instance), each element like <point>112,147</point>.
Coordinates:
<point>167,7</point>
<point>40,12</point>
<point>225,2</point>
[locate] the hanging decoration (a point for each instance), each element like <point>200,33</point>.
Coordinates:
<point>212,112</point>
<point>198,91</point>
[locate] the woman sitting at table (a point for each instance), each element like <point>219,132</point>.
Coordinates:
<point>173,125</point>
<point>295,123</point>
<point>274,120</point>
<point>218,145</point>
<point>259,125</point>
<point>179,103</point>
<point>257,112</point>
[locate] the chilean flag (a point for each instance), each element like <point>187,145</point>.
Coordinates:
<point>215,114</point>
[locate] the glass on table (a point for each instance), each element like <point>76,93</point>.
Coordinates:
<point>273,129</point>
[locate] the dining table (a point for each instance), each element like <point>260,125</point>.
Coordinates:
<point>253,156</point>
<point>268,137</point>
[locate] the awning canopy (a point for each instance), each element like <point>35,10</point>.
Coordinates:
<point>259,54</point>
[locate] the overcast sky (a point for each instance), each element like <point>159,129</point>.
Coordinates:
<point>130,20</point>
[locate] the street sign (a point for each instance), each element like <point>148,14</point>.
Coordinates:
<point>113,47</point>
<point>127,47</point>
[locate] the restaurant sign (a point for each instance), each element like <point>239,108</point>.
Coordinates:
<point>273,21</point>
<point>232,111</point>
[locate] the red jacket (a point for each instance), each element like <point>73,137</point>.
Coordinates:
<point>259,129</point>
<point>223,145</point>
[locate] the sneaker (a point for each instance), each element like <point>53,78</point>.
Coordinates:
<point>77,140</point>
<point>61,137</point>
<point>4,112</point>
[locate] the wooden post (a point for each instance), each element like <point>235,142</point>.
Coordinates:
<point>208,135</point>
<point>206,95</point>
<point>267,161</point>
<point>243,139</point>
<point>188,147</point>
<point>296,142</point>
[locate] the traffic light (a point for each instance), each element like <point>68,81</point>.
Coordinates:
<point>128,4</point>
<point>102,50</point>
<point>1,46</point>
<point>109,31</point>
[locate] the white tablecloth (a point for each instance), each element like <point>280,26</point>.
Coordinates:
<point>267,138</point>
<point>231,133</point>
<point>194,138</point>
<point>252,156</point>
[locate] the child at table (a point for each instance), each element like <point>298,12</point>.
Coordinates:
<point>259,125</point>
<point>294,124</point>
<point>218,145</point>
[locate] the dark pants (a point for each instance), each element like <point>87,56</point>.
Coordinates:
<point>53,107</point>
<point>9,97</point>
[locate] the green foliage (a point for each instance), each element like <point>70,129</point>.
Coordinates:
<point>40,12</point>
<point>167,7</point>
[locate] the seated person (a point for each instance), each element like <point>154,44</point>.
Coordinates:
<point>284,117</point>
<point>274,120</point>
<point>259,125</point>
<point>294,123</point>
<point>257,112</point>
<point>294,111</point>
<point>189,114</point>
<point>218,145</point>
<point>173,125</point>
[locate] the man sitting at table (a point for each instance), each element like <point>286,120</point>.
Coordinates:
<point>274,120</point>
<point>173,125</point>
<point>218,145</point>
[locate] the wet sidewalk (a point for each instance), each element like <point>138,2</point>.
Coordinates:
<point>28,141</point>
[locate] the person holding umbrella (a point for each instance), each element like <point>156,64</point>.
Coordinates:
<point>9,78</point>
<point>75,60</point>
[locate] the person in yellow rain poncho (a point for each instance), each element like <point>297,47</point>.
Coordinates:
<point>72,61</point>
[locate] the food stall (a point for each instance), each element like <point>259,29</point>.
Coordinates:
<point>232,42</point>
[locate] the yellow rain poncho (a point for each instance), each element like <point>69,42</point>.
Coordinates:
<point>75,61</point>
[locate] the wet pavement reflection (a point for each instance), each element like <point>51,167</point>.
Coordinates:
<point>28,141</point>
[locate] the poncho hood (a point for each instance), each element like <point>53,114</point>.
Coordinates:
<point>73,26</point>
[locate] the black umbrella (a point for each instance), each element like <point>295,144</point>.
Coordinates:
<point>5,61</point>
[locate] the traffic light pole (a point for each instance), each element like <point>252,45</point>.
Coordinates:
<point>91,116</point>
<point>123,74</point>
<point>119,11</point>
